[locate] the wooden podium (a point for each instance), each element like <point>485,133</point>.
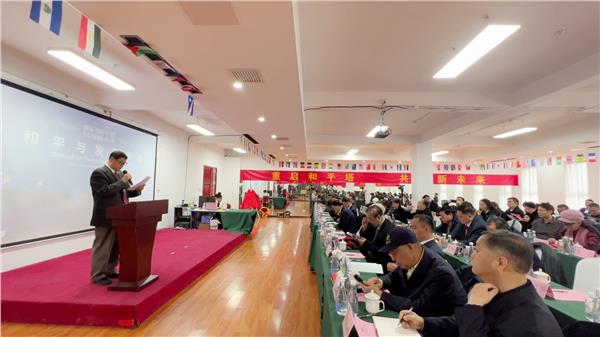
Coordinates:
<point>136,227</point>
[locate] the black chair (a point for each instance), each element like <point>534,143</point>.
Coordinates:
<point>551,263</point>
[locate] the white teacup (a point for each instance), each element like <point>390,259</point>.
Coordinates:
<point>542,276</point>
<point>373,304</point>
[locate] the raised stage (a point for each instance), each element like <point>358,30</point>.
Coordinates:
<point>58,291</point>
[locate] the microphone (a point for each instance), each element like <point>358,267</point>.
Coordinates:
<point>130,183</point>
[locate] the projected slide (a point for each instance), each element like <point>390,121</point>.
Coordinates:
<point>49,152</point>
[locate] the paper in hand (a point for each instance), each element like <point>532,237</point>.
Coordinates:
<point>143,182</point>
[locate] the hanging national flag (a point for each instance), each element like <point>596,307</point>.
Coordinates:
<point>459,167</point>
<point>549,161</point>
<point>190,109</point>
<point>89,36</point>
<point>288,164</point>
<point>468,167</point>
<point>569,159</point>
<point>142,50</point>
<point>322,166</point>
<point>558,160</point>
<point>591,157</point>
<point>453,167</point>
<point>47,14</point>
<point>301,164</point>
<point>295,164</point>
<point>580,158</point>
<point>353,167</point>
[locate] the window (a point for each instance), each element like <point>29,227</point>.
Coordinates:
<point>529,188</point>
<point>576,184</point>
<point>477,195</point>
<point>504,193</point>
<point>443,192</point>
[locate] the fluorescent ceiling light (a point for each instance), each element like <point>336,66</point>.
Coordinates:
<point>238,150</point>
<point>91,69</point>
<point>274,136</point>
<point>238,85</point>
<point>376,129</point>
<point>489,38</point>
<point>261,119</point>
<point>515,132</point>
<point>352,152</point>
<point>439,153</point>
<point>200,129</point>
<point>281,147</point>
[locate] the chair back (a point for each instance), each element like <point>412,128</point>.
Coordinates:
<point>587,275</point>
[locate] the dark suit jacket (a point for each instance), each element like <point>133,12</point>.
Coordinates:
<point>347,221</point>
<point>434,247</point>
<point>401,214</point>
<point>475,230</point>
<point>515,313</point>
<point>432,290</point>
<point>370,249</point>
<point>107,191</point>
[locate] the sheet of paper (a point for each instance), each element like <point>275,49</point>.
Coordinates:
<point>366,267</point>
<point>389,327</point>
<point>143,182</point>
<point>364,329</point>
<point>567,295</point>
<point>353,255</point>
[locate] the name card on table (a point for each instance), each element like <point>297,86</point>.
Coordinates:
<point>584,253</point>
<point>451,249</point>
<point>566,295</point>
<point>541,286</point>
<point>364,329</point>
<point>348,322</point>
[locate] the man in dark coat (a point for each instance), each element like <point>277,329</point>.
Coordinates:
<point>110,187</point>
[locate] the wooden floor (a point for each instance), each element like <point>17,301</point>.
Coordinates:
<point>264,288</point>
<point>298,208</point>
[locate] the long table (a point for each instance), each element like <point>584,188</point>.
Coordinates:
<point>566,312</point>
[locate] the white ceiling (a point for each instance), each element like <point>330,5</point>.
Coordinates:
<point>315,54</point>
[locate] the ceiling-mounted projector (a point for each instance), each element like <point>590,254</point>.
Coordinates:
<point>380,131</point>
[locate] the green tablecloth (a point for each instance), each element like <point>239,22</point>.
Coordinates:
<point>239,220</point>
<point>566,312</point>
<point>569,263</point>
<point>279,202</point>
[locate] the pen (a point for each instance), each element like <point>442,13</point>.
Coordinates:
<point>402,319</point>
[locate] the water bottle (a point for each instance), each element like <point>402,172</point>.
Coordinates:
<point>590,302</point>
<point>341,303</point>
<point>352,296</point>
<point>533,236</point>
<point>335,262</point>
<point>566,248</point>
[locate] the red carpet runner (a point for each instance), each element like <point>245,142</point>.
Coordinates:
<point>59,291</point>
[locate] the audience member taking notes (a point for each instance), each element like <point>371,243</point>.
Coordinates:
<point>505,305</point>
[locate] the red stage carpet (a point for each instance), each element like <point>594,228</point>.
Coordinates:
<point>59,291</point>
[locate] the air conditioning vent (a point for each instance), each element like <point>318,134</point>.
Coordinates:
<point>247,75</point>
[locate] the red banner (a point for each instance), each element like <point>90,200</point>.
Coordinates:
<point>379,178</point>
<point>328,178</point>
<point>476,179</point>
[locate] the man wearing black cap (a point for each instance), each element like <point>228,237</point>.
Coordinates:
<point>424,281</point>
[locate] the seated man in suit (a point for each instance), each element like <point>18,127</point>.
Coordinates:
<point>471,225</point>
<point>370,248</point>
<point>507,305</point>
<point>347,221</point>
<point>423,280</point>
<point>422,225</point>
<point>349,203</point>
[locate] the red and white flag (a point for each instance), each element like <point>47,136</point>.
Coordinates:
<point>89,36</point>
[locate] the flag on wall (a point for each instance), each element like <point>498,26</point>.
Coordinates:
<point>89,36</point>
<point>591,157</point>
<point>569,159</point>
<point>47,13</point>
<point>580,158</point>
<point>190,108</point>
<point>558,160</point>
